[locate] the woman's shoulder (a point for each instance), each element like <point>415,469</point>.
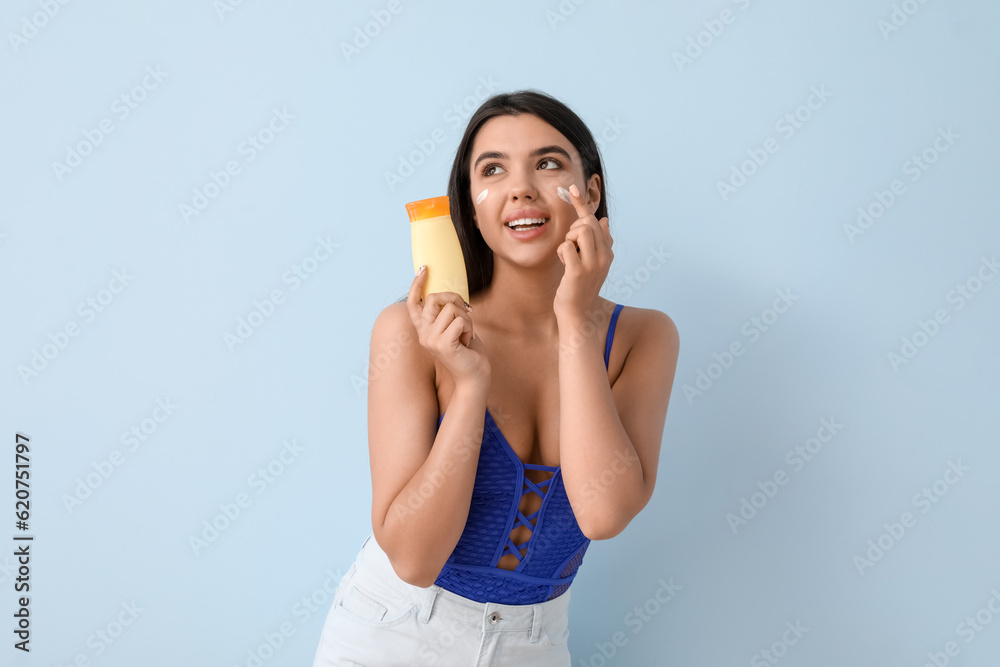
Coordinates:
<point>646,325</point>
<point>393,334</point>
<point>649,339</point>
<point>394,318</point>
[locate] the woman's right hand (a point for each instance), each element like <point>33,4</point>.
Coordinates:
<point>444,329</point>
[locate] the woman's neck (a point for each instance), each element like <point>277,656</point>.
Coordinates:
<point>518,300</point>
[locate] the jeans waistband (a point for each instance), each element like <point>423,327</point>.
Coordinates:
<point>486,616</point>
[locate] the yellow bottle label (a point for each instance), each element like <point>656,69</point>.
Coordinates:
<point>435,243</point>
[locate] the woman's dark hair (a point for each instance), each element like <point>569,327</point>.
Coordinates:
<point>478,255</point>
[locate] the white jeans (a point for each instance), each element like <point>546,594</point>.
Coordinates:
<point>379,620</point>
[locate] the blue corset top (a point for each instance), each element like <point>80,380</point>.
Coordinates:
<point>554,551</point>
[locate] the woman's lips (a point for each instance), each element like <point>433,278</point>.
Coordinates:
<point>527,234</point>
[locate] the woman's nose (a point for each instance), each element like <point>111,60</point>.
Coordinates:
<point>523,187</point>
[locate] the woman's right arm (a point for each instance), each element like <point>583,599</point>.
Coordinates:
<point>422,481</point>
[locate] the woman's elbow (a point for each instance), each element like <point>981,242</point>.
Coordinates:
<point>414,574</point>
<point>603,530</point>
<point>607,525</point>
<point>413,571</point>
<point>409,567</point>
<point>602,533</point>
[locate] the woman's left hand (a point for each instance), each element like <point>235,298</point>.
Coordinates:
<point>586,254</point>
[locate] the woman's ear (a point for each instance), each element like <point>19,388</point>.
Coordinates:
<point>594,193</point>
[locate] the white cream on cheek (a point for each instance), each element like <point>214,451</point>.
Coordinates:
<point>482,196</point>
<point>564,195</point>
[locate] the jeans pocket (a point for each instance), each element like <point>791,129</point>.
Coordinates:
<point>345,581</point>
<point>556,636</point>
<point>369,600</point>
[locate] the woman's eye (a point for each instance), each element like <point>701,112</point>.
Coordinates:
<point>553,161</point>
<point>489,169</point>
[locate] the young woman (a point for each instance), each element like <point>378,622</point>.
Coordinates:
<point>509,432</point>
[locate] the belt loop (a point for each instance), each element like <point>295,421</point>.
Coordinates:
<point>428,603</point>
<point>536,622</point>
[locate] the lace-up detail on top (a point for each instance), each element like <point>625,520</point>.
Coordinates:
<point>529,487</point>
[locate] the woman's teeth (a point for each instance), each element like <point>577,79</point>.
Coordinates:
<point>526,223</point>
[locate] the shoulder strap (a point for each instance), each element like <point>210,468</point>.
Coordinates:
<point>611,333</point>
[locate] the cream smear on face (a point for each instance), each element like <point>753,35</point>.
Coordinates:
<point>481,197</point>
<point>564,194</point>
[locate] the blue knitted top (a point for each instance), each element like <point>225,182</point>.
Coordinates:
<point>556,546</point>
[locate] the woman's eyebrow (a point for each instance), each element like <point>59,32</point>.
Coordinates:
<point>535,153</point>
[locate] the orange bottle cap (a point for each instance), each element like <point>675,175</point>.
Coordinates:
<point>428,208</point>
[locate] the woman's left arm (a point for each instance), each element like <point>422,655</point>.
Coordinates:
<point>610,436</point>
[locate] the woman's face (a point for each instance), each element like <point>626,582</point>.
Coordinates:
<point>520,162</point>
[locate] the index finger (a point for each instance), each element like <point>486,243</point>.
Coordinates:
<point>413,298</point>
<point>578,203</point>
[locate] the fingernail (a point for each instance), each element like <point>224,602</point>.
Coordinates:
<point>467,306</point>
<point>575,190</point>
<point>421,269</point>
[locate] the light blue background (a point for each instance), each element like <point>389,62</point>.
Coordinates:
<point>680,130</point>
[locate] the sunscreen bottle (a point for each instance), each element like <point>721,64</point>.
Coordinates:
<point>435,243</point>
